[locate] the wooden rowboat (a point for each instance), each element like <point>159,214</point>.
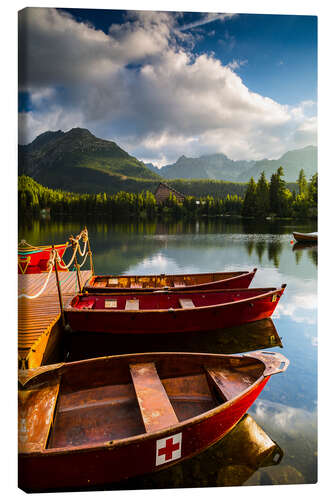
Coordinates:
<point>150,283</point>
<point>170,312</point>
<point>107,419</point>
<point>34,259</point>
<point>305,237</point>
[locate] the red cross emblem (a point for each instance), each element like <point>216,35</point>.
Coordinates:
<point>169,448</point>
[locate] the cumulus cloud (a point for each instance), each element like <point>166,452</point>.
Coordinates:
<point>142,86</point>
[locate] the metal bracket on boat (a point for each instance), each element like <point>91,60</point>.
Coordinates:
<point>274,361</point>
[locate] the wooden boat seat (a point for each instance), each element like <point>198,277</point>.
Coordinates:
<point>229,383</point>
<point>186,303</point>
<point>132,305</point>
<point>112,281</point>
<point>33,432</point>
<point>156,410</point>
<point>136,285</point>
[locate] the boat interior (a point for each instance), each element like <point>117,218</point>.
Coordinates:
<point>159,281</point>
<point>117,398</point>
<point>164,300</point>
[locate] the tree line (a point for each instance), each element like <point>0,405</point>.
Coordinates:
<point>260,200</point>
<point>273,198</point>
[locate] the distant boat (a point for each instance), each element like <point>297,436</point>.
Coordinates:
<point>150,283</point>
<point>163,312</point>
<point>106,419</point>
<point>305,237</point>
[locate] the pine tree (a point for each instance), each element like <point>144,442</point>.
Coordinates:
<point>262,197</point>
<point>302,183</point>
<point>249,205</point>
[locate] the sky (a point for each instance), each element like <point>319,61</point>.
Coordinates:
<point>166,84</point>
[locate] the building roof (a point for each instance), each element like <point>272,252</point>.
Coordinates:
<point>170,188</point>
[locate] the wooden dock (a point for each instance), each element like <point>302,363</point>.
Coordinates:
<point>39,326</point>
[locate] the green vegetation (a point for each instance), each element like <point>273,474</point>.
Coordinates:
<point>86,163</point>
<point>208,187</point>
<point>260,200</point>
<point>275,199</point>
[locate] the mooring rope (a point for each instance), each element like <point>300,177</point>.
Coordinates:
<point>50,265</point>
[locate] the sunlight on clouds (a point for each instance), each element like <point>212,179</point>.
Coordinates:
<point>138,85</point>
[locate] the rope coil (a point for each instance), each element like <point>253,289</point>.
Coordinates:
<point>50,265</point>
<point>56,260</point>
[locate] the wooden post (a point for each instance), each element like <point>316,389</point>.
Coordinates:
<point>78,273</point>
<point>59,292</point>
<point>91,259</point>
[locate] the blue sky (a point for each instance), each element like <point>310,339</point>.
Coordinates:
<point>166,84</point>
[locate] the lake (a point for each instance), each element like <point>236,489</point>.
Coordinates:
<point>285,414</point>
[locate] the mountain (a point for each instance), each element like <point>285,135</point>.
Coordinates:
<point>215,167</point>
<point>292,162</point>
<point>152,168</point>
<point>78,161</point>
<point>220,167</point>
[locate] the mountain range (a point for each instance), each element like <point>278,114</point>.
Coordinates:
<point>220,167</point>
<point>78,161</point>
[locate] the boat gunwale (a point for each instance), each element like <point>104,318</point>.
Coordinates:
<point>234,274</point>
<point>271,291</point>
<point>109,445</point>
<point>38,249</point>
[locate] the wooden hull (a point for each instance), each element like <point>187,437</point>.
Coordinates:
<point>306,237</point>
<point>114,460</point>
<point>150,283</point>
<point>35,261</point>
<point>250,305</point>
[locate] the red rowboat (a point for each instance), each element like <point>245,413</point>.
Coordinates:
<point>33,260</point>
<point>150,283</point>
<point>107,419</point>
<point>170,312</point>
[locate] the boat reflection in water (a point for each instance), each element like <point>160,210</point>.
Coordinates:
<point>230,462</point>
<point>304,246</point>
<point>310,248</point>
<point>250,337</point>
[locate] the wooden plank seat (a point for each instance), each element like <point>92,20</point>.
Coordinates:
<point>112,281</point>
<point>228,382</point>
<point>179,283</point>
<point>35,416</point>
<point>136,285</point>
<point>132,305</point>
<point>186,303</point>
<point>156,410</point>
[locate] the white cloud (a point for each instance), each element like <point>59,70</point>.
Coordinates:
<point>236,64</point>
<point>140,87</point>
<point>207,18</point>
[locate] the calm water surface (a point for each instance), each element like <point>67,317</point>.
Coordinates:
<point>286,410</point>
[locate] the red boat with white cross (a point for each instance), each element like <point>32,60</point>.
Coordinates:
<point>107,419</point>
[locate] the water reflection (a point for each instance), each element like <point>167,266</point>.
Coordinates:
<point>297,431</point>
<point>119,245</point>
<point>287,407</point>
<point>308,249</point>
<point>254,336</point>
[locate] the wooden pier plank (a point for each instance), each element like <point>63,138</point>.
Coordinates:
<point>37,317</point>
